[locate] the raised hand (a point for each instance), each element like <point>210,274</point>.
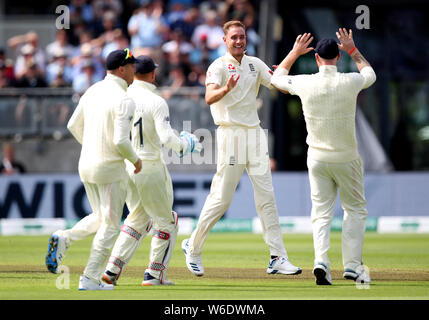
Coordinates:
<point>346,39</point>
<point>232,81</point>
<point>301,44</point>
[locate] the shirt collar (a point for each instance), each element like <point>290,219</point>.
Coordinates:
<point>230,58</point>
<point>121,82</point>
<point>145,85</point>
<point>328,68</point>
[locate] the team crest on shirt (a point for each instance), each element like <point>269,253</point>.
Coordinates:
<point>231,68</point>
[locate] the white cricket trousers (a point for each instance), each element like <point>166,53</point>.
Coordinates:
<point>325,180</point>
<point>150,199</point>
<point>240,148</point>
<point>107,203</point>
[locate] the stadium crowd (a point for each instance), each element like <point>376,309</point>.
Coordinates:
<point>182,36</point>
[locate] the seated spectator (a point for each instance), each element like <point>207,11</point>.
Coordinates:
<point>147,26</point>
<point>210,32</point>
<point>241,10</point>
<point>176,12</point>
<point>32,77</point>
<point>8,66</point>
<point>85,78</point>
<point>59,72</point>
<point>81,10</point>
<point>9,165</point>
<point>5,82</point>
<point>101,7</point>
<point>118,42</point>
<point>188,23</point>
<point>177,43</point>
<point>61,42</point>
<point>87,54</point>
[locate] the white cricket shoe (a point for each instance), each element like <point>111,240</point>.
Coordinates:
<point>193,263</point>
<point>322,274</point>
<point>359,275</point>
<point>282,265</point>
<point>56,251</point>
<point>150,280</point>
<point>86,283</point>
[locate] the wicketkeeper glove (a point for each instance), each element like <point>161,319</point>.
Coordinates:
<point>191,143</point>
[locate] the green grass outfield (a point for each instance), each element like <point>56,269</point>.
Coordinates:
<point>235,269</point>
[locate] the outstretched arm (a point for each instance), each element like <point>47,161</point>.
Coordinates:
<point>300,47</point>
<point>280,77</point>
<point>347,44</point>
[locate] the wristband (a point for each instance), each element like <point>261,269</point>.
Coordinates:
<point>351,51</point>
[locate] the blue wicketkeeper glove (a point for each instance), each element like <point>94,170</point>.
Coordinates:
<point>192,144</point>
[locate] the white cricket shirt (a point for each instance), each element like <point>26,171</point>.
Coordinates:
<point>151,122</point>
<point>238,106</point>
<point>101,123</point>
<point>329,103</point>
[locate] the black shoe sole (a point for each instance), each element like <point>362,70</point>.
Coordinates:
<point>350,278</point>
<point>320,275</point>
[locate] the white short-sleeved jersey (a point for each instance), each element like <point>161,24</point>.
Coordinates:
<point>151,122</point>
<point>101,123</point>
<point>329,103</point>
<point>238,107</point>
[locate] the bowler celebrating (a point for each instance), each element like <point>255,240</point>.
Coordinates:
<point>232,86</point>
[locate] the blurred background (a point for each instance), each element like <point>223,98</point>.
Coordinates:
<point>50,53</point>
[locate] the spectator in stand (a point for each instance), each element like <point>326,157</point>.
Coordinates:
<point>85,78</point>
<point>241,10</point>
<point>8,67</point>
<point>100,7</point>
<point>176,12</point>
<point>5,82</point>
<point>28,47</point>
<point>32,77</point>
<point>118,42</point>
<point>87,54</point>
<point>176,80</point>
<point>147,26</point>
<point>9,165</point>
<point>188,23</point>
<point>211,33</point>
<point>59,72</point>
<point>61,42</point>
<point>177,43</point>
<point>80,10</point>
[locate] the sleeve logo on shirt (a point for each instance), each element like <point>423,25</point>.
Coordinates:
<point>167,119</point>
<point>289,81</point>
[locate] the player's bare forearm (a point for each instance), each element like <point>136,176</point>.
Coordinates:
<point>290,59</point>
<point>359,59</point>
<point>215,93</point>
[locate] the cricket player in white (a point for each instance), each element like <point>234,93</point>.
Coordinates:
<point>232,86</point>
<point>150,191</point>
<point>329,105</point>
<point>101,123</point>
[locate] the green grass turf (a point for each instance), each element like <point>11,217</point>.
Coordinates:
<point>235,269</point>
